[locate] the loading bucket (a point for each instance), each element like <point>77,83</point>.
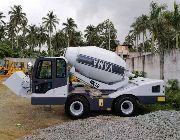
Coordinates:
<point>19,83</point>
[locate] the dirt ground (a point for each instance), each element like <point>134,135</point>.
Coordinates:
<point>18,117</point>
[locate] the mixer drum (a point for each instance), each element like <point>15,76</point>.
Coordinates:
<point>97,63</point>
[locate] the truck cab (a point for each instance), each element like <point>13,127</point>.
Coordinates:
<point>49,81</point>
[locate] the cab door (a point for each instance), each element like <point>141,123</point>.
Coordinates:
<point>49,73</point>
<point>42,78</point>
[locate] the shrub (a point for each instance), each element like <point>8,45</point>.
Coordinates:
<point>173,84</point>
<point>138,74</point>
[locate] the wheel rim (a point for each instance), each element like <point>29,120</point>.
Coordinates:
<point>76,108</point>
<point>127,107</point>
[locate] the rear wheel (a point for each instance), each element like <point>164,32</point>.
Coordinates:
<point>126,106</point>
<point>77,107</point>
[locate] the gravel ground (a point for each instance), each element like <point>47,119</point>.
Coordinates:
<point>158,125</point>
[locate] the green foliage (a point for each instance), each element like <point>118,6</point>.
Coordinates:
<point>172,103</point>
<point>6,51</point>
<point>138,74</point>
<point>173,98</point>
<point>43,53</point>
<point>99,35</point>
<point>173,84</point>
<point>162,24</point>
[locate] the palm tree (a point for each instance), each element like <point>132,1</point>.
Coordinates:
<point>69,29</point>
<point>59,41</point>
<point>176,22</point>
<point>2,32</point>
<point>1,19</point>
<point>42,36</point>
<point>143,26</point>
<point>77,39</point>
<point>2,26</point>
<point>154,19</point>
<point>17,19</point>
<point>50,23</point>
<point>107,35</point>
<point>135,32</point>
<point>32,37</point>
<point>90,34</point>
<point>11,33</point>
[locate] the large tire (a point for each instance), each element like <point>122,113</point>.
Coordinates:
<point>77,107</point>
<point>126,106</point>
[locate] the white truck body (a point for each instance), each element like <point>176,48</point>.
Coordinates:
<point>105,81</point>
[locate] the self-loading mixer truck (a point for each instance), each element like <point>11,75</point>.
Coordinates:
<point>104,79</point>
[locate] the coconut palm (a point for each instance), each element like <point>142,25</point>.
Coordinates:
<point>91,35</point>
<point>176,22</point>
<point>11,33</point>
<point>59,41</point>
<point>2,32</point>
<point>143,25</point>
<point>42,37</point>
<point>154,20</point>
<point>50,23</point>
<point>17,19</point>
<point>32,37</point>
<point>1,19</point>
<point>69,29</point>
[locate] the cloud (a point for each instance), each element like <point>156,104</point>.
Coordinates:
<point>85,12</point>
<point>121,12</point>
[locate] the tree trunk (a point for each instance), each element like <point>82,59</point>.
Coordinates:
<point>177,41</point>
<point>17,42</point>
<point>68,43</point>
<point>162,65</point>
<point>137,43</point>
<point>152,43</point>
<point>50,51</point>
<point>12,43</point>
<point>143,43</point>
<point>39,47</point>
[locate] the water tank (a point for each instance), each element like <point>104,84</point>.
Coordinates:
<point>97,63</point>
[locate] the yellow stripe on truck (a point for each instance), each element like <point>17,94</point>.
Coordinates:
<point>161,99</point>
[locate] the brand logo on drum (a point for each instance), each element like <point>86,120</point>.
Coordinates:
<point>100,64</point>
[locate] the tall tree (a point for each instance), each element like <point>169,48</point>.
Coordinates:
<point>42,37</point>
<point>32,37</point>
<point>91,35</point>
<point>11,33</point>
<point>69,29</point>
<point>59,42</point>
<point>176,22</point>
<point>17,19</point>
<point>2,32</point>
<point>108,34</point>
<point>2,26</point>
<point>50,23</point>
<point>2,22</point>
<point>154,20</point>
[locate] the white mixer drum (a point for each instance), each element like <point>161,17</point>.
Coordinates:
<point>97,63</point>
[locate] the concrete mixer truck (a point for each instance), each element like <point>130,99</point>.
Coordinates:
<point>104,83</point>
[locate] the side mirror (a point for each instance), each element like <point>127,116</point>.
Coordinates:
<point>29,65</point>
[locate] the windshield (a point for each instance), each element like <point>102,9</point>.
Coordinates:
<point>1,63</point>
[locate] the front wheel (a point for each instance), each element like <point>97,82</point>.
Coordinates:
<point>77,107</point>
<point>126,106</point>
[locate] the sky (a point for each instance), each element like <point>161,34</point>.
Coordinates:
<point>85,12</point>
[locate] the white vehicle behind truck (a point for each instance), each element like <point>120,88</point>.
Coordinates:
<point>104,77</point>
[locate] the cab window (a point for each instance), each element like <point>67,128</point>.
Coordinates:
<point>44,70</point>
<point>60,68</point>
